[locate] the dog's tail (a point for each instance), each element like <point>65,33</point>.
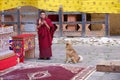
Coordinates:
<point>81,58</point>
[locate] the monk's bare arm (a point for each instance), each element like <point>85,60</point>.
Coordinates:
<point>46,25</point>
<point>39,23</point>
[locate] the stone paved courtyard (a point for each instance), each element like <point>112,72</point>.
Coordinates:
<point>93,51</point>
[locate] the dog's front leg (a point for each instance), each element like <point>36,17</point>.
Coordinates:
<point>67,58</point>
<point>74,60</point>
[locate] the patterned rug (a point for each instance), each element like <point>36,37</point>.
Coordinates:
<point>43,71</point>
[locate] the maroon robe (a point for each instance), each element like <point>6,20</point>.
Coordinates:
<point>45,36</point>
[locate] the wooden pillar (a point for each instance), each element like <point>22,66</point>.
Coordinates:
<point>38,13</point>
<point>107,24</point>
<point>83,24</point>
<point>60,21</point>
<point>18,21</point>
<point>2,17</point>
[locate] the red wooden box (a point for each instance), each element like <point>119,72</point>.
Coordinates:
<point>8,62</point>
<point>24,46</point>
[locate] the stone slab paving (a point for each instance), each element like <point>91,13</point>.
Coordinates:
<point>92,49</point>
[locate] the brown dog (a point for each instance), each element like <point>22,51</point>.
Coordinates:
<point>71,54</point>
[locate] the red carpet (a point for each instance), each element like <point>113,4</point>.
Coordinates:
<point>49,72</point>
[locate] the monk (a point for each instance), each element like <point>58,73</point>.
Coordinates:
<point>45,35</point>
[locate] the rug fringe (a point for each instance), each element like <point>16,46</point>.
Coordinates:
<point>84,74</point>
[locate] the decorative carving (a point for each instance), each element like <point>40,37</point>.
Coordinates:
<point>38,75</point>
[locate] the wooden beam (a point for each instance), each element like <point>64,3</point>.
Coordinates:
<point>72,13</point>
<point>95,22</point>
<point>109,66</point>
<point>77,22</point>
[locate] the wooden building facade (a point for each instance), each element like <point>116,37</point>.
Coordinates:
<point>72,24</point>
